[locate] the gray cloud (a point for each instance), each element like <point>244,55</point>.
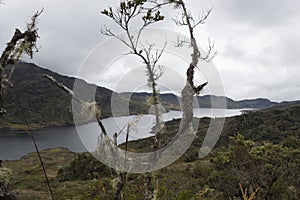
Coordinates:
<point>263,13</point>
<point>68,30</point>
<point>258,41</point>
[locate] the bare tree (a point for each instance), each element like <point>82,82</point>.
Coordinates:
<point>148,12</point>
<point>186,19</point>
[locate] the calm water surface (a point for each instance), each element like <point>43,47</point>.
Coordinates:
<point>14,145</point>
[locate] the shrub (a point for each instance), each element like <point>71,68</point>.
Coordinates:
<point>84,167</point>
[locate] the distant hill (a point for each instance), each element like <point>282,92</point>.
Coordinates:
<point>273,124</point>
<point>173,101</point>
<point>44,104</point>
<point>170,101</point>
<point>278,124</point>
<point>259,103</point>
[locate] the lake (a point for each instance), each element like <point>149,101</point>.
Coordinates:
<point>14,145</point>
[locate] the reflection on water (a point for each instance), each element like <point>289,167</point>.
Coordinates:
<point>16,144</point>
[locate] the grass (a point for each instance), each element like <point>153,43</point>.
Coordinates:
<point>28,179</point>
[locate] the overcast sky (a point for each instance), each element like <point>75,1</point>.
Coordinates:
<point>258,44</point>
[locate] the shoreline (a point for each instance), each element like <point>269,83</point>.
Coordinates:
<point>37,127</point>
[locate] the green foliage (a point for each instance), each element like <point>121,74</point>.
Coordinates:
<point>98,189</point>
<point>149,17</point>
<point>184,194</point>
<point>291,142</point>
<point>84,167</point>
<point>124,7</point>
<point>5,175</point>
<point>272,167</point>
<point>272,125</point>
<point>163,192</point>
<point>131,8</point>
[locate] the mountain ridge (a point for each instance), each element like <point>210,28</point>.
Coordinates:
<point>43,104</point>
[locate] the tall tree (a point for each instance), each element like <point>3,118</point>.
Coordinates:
<point>149,12</point>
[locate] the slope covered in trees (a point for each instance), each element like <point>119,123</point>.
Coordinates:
<point>43,104</point>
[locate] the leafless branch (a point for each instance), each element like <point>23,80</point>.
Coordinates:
<point>20,43</point>
<point>210,52</point>
<point>158,4</point>
<point>180,42</point>
<point>107,31</point>
<point>202,19</point>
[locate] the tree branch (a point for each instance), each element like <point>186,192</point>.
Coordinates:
<point>20,43</point>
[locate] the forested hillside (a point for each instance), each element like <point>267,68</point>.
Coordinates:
<point>44,104</point>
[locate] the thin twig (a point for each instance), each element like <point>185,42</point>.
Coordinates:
<point>36,148</point>
<point>125,159</point>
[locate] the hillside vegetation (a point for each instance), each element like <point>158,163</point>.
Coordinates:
<point>39,102</point>
<point>259,150</point>
<point>44,104</point>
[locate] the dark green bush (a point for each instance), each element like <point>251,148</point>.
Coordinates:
<point>84,167</point>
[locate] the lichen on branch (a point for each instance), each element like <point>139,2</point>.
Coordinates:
<point>20,43</point>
